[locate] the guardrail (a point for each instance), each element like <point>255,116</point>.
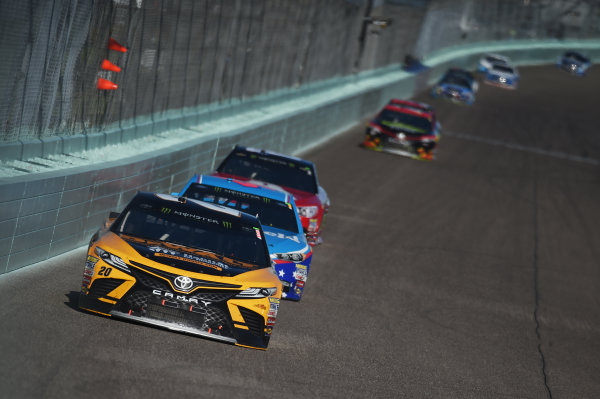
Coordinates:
<point>45,214</point>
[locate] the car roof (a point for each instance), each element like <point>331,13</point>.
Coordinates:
<point>422,106</point>
<point>260,189</point>
<point>192,206</point>
<point>272,154</point>
<point>426,115</point>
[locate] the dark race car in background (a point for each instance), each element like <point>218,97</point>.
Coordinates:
<point>278,216</point>
<point>184,265</point>
<point>404,129</point>
<point>574,62</point>
<point>296,176</point>
<point>457,85</point>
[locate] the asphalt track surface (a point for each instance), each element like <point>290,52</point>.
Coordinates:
<point>472,276</point>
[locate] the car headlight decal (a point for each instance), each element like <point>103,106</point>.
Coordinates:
<point>308,211</point>
<point>111,259</point>
<point>291,256</point>
<point>257,292</point>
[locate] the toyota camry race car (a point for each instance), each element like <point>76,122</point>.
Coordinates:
<point>184,265</point>
<point>278,216</point>
<point>296,176</point>
<point>574,62</point>
<point>404,130</point>
<point>457,85</point>
<point>502,75</point>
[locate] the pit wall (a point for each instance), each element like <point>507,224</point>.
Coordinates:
<point>45,214</point>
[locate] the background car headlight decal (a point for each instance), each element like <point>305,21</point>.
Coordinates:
<point>292,256</point>
<point>308,211</point>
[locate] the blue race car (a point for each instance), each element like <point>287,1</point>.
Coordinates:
<point>457,85</point>
<point>502,75</point>
<point>574,62</point>
<point>290,253</point>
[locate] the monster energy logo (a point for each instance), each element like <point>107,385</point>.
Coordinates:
<point>227,225</point>
<point>217,189</point>
<point>266,200</point>
<point>165,210</point>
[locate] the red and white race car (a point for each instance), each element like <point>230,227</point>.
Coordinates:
<point>296,176</point>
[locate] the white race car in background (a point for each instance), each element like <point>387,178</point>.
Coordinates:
<point>502,75</point>
<point>488,60</point>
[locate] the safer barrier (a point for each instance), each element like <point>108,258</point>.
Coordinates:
<point>45,214</point>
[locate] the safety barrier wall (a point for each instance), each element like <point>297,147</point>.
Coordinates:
<point>45,214</point>
<point>181,55</point>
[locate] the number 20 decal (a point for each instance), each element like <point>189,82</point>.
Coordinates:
<point>104,271</point>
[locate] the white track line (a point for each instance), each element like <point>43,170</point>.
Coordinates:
<point>518,147</point>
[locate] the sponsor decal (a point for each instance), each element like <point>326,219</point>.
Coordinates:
<point>258,233</point>
<point>301,273</point>
<point>283,236</point>
<point>300,284</point>
<point>92,260</point>
<point>273,309</point>
<point>190,258</point>
<point>261,306</point>
<point>88,272</point>
<point>194,216</point>
<point>274,301</point>
<point>227,225</point>
<point>165,210</point>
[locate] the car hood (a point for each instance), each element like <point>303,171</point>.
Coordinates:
<point>283,241</point>
<point>173,256</point>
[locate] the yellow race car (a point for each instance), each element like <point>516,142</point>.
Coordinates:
<point>185,265</point>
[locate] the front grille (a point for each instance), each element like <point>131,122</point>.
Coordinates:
<point>102,286</point>
<point>254,321</point>
<point>173,315</point>
<point>210,316</point>
<point>214,296</point>
<point>137,300</point>
<point>171,277</point>
<point>149,281</point>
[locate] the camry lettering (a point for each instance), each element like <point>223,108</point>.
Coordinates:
<point>170,295</point>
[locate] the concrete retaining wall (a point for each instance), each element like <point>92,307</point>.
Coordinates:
<point>45,214</point>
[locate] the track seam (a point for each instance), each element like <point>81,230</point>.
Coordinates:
<point>536,282</point>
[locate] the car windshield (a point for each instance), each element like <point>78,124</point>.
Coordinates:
<point>273,170</point>
<point>271,212</point>
<point>502,68</point>
<point>577,57</point>
<point>191,229</point>
<point>406,122</point>
<point>456,80</point>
